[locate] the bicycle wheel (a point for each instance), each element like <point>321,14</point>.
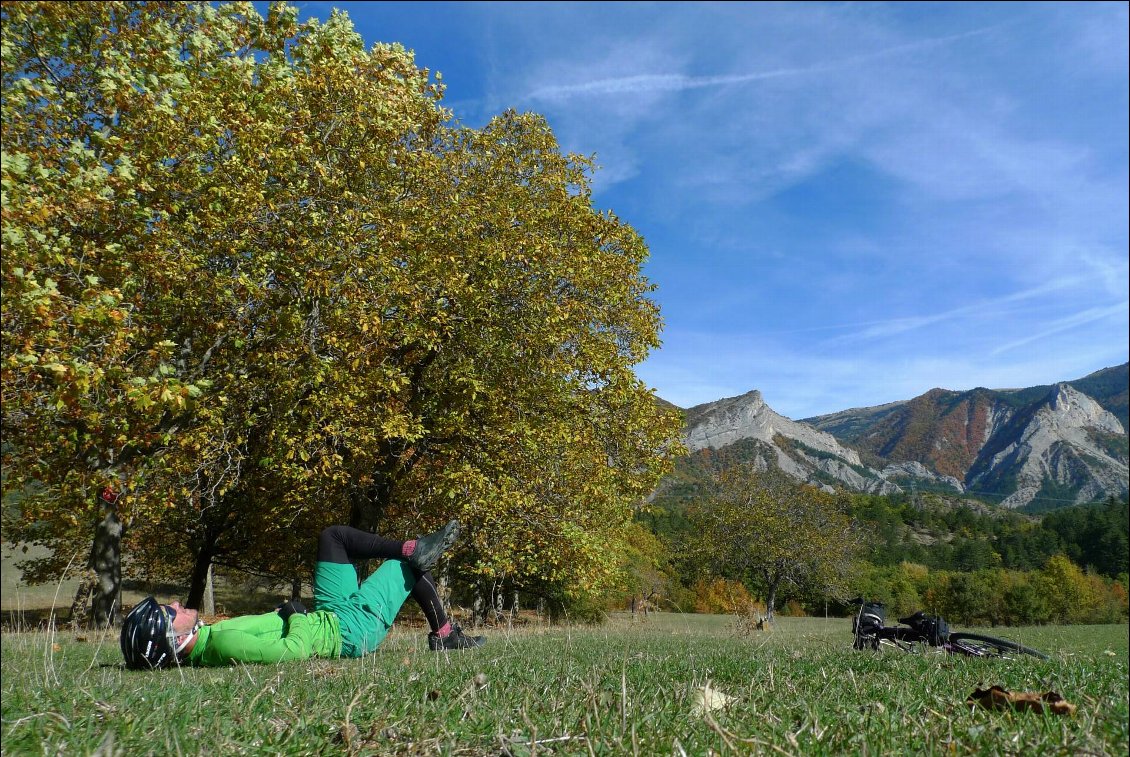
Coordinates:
<point>979,645</point>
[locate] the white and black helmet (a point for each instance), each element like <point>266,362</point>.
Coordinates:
<point>148,639</point>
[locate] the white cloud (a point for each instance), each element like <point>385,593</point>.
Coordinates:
<point>1110,266</point>
<point>694,368</point>
<point>985,310</point>
<point>1099,37</point>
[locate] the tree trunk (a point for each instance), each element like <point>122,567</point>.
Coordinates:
<point>201,569</point>
<point>80,607</point>
<point>106,562</point>
<point>496,601</point>
<point>366,508</point>
<point>442,590</point>
<point>209,607</point>
<point>771,600</point>
<point>366,505</point>
<point>478,606</point>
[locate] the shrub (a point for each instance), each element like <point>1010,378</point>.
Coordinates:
<point>793,609</point>
<point>723,596</point>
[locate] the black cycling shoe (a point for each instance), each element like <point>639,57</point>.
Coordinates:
<point>454,640</point>
<point>429,548</point>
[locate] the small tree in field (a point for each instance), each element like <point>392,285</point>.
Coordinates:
<point>768,530</point>
<point>645,571</point>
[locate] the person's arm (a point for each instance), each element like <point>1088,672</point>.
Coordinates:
<point>258,639</point>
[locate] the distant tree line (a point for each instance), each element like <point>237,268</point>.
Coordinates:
<point>1060,592</point>
<point>971,562</point>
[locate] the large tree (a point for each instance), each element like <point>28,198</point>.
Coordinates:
<point>108,343</point>
<point>254,282</point>
<point>769,530</point>
<point>179,183</point>
<point>526,408</point>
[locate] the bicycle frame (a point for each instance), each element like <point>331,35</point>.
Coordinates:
<point>900,637</point>
<point>907,639</point>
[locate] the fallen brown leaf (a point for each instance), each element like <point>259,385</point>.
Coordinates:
<point>999,698</point>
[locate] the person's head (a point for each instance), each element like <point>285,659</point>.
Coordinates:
<point>154,635</point>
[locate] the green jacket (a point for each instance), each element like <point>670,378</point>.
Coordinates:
<point>267,638</point>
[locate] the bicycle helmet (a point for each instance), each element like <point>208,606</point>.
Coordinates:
<point>148,639</point>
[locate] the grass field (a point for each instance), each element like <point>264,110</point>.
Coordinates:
<point>622,688</point>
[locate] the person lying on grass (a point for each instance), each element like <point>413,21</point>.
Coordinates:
<point>350,621</point>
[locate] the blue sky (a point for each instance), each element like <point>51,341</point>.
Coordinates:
<point>846,204</point>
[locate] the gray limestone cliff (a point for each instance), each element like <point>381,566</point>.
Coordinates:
<point>1056,445</point>
<point>800,450</point>
<point>1060,444</point>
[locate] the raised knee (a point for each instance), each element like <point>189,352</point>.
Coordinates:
<point>331,544</point>
<point>331,532</point>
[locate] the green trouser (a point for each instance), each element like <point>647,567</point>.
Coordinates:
<point>366,613</point>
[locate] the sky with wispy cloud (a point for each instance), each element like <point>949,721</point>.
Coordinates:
<point>846,204</point>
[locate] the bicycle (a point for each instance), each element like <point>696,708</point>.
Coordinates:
<point>920,630</point>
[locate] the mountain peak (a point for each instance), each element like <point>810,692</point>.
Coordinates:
<point>726,421</point>
<point>1042,445</point>
<point>796,448</point>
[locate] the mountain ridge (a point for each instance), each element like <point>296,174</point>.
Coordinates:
<point>1109,387</point>
<point>1033,447</point>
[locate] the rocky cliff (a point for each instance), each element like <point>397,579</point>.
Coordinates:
<point>1037,447</point>
<point>1065,444</point>
<point>717,424</point>
<point>797,448</point>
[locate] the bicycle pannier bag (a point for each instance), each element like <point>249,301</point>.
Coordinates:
<point>933,627</point>
<point>870,619</point>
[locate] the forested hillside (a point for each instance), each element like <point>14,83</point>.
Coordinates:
<point>949,534</point>
<point>974,561</point>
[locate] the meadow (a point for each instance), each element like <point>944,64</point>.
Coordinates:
<point>627,687</point>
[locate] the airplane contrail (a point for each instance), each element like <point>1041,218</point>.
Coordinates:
<point>679,82</point>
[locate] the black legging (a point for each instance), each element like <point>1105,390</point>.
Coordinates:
<point>344,545</point>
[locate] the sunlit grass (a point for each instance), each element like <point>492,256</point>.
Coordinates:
<point>617,689</point>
